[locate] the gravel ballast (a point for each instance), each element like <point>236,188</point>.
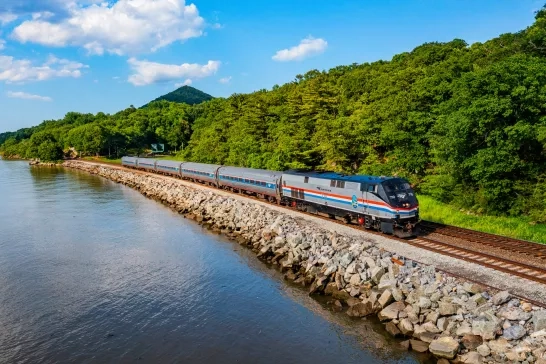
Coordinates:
<point>367,274</point>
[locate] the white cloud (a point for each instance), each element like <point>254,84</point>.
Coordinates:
<point>146,73</point>
<point>2,44</point>
<point>188,82</point>
<point>122,27</point>
<point>307,47</point>
<point>6,18</point>
<point>26,96</point>
<point>42,15</point>
<point>23,70</point>
<point>225,80</point>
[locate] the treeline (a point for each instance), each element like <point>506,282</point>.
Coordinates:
<point>465,124</point>
<point>130,131</point>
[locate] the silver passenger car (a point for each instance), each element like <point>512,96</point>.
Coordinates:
<point>129,161</point>
<point>170,167</point>
<point>146,163</point>
<point>200,171</point>
<point>259,181</point>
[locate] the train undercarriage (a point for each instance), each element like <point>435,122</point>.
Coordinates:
<point>402,228</point>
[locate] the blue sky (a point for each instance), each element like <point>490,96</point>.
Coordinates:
<point>92,55</point>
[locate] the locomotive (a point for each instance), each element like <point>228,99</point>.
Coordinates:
<point>386,204</point>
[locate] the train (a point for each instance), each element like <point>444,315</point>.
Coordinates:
<point>385,204</point>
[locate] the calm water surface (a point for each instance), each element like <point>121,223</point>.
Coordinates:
<point>93,272</point>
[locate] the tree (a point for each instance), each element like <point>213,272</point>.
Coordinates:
<point>50,152</point>
<point>88,138</point>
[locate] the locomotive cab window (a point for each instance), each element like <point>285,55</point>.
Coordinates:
<point>372,188</point>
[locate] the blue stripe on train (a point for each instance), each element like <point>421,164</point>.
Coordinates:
<point>270,186</point>
<point>347,202</point>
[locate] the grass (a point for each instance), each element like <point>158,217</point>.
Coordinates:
<point>514,227</point>
<point>103,160</point>
<point>171,158</point>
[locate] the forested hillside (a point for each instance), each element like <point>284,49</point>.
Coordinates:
<point>465,123</point>
<point>187,95</point>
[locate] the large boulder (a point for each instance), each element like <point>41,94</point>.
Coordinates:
<point>360,309</point>
<point>392,311</point>
<point>514,332</point>
<point>351,301</point>
<point>376,273</point>
<point>430,327</point>
<point>424,302</point>
<point>500,298</point>
<point>499,346</point>
<point>385,298</point>
<point>472,358</point>
<point>486,329</point>
<point>471,342</point>
<point>393,329</point>
<point>463,329</point>
<point>448,309</point>
<point>514,314</point>
<point>539,320</point>
<point>444,347</point>
<point>484,350</point>
<point>419,346</point>
<point>406,327</point>
<point>472,288</point>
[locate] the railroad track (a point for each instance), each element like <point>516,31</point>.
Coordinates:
<point>495,241</point>
<point>477,256</point>
<point>506,265</point>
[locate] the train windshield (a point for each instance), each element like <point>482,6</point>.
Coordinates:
<point>396,186</point>
<point>400,193</point>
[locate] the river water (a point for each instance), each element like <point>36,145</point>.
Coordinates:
<point>93,272</point>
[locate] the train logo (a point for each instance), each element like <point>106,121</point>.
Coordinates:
<point>354,201</point>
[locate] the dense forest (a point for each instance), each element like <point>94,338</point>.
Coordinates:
<point>185,94</point>
<point>465,124</point>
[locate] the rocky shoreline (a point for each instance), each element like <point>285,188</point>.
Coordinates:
<point>35,162</point>
<point>456,321</point>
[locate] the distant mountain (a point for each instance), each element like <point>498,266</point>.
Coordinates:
<point>186,94</point>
